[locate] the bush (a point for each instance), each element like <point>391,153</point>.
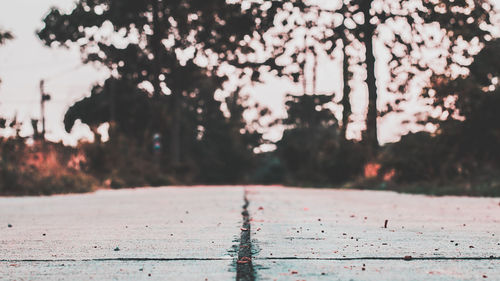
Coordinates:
<point>39,170</point>
<point>123,163</point>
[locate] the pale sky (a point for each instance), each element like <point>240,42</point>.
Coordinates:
<point>25,60</point>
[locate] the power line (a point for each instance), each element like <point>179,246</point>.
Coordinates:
<point>27,65</point>
<point>30,101</point>
<point>64,72</point>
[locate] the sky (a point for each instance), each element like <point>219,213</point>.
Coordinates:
<point>25,61</point>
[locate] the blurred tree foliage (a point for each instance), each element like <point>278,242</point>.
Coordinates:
<point>170,59</point>
<point>410,31</point>
<point>4,37</point>
<point>218,148</point>
<point>466,145</point>
<point>312,149</point>
<point>166,59</point>
<point>417,27</point>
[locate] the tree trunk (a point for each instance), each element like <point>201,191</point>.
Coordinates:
<point>346,102</point>
<point>156,48</point>
<point>175,137</point>
<point>176,105</point>
<point>315,73</point>
<point>371,117</point>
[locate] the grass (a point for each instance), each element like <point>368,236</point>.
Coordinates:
<point>476,188</point>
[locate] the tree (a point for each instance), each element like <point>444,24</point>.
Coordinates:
<point>4,37</point>
<point>311,130</point>
<point>312,149</point>
<point>466,144</point>
<point>163,45</point>
<point>412,24</point>
<point>129,110</point>
<point>469,110</point>
<point>415,28</point>
<point>305,32</point>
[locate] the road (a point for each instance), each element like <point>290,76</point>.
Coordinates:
<point>249,233</point>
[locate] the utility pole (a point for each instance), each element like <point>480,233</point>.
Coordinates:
<point>44,97</point>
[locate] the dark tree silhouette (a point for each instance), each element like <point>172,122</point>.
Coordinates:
<point>162,44</point>
<point>416,29</point>
<point>4,37</point>
<point>412,24</point>
<point>305,32</point>
<point>312,149</point>
<point>472,118</point>
<point>466,145</point>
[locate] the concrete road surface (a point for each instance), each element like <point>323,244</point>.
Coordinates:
<point>249,233</point>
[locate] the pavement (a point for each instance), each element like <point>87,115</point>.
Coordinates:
<point>249,233</point>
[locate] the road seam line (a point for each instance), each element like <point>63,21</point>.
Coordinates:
<point>117,259</point>
<point>379,258</point>
<point>244,267</point>
<point>256,258</point>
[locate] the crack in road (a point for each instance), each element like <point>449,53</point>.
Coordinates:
<point>244,267</point>
<point>246,272</point>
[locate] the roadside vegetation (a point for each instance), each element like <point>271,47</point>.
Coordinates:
<point>178,115</point>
